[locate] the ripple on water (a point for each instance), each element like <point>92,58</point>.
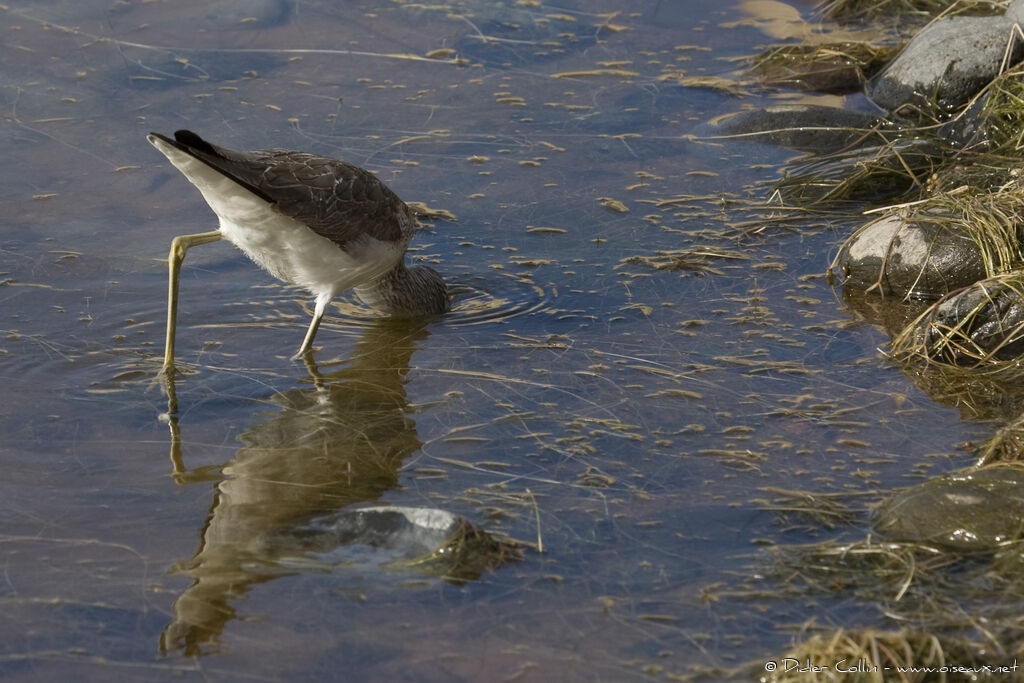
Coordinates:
<point>120,343</point>
<point>91,334</point>
<point>476,299</point>
<point>114,340</point>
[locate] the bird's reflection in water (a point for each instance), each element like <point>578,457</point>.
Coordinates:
<point>337,442</point>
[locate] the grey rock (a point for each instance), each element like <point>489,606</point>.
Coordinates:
<point>411,531</point>
<point>910,256</point>
<point>948,62</point>
<point>1016,11</point>
<point>967,130</point>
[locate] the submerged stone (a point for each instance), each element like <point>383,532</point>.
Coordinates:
<point>949,61</point>
<point>412,531</point>
<point>429,540</point>
<point>877,173</point>
<point>910,256</point>
<point>804,127</point>
<point>973,511</point>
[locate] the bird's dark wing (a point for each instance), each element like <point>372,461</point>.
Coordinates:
<point>337,200</point>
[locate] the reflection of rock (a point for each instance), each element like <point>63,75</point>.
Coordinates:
<point>949,61</point>
<point>889,313</point>
<point>969,511</point>
<point>907,255</point>
<point>336,443</point>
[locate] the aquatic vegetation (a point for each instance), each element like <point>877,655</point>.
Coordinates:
<point>883,570</point>
<point>810,510</point>
<point>696,259</point>
<point>1006,445</point>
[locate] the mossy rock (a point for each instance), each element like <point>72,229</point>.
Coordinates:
<point>967,511</point>
<point>910,256</point>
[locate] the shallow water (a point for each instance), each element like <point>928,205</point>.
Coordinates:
<point>630,418</point>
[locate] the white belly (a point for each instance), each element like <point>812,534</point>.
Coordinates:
<point>291,252</point>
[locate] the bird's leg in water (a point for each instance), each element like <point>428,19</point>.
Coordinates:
<point>180,245</point>
<point>314,325</point>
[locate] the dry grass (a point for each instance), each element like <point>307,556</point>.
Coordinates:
<point>980,327</point>
<point>868,10</point>
<point>829,67</point>
<point>870,655</point>
<point>1002,114</point>
<point>1006,445</point>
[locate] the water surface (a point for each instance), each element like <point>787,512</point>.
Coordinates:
<point>629,418</point>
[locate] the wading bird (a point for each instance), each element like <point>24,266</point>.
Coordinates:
<point>309,220</point>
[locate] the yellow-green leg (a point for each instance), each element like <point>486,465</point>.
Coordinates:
<point>180,245</point>
<point>314,325</point>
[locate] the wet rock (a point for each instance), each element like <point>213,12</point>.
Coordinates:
<point>970,511</point>
<point>412,531</point>
<point>910,255</point>
<point>804,127</point>
<point>982,323</point>
<point>429,540</point>
<point>968,129</point>
<point>949,62</point>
